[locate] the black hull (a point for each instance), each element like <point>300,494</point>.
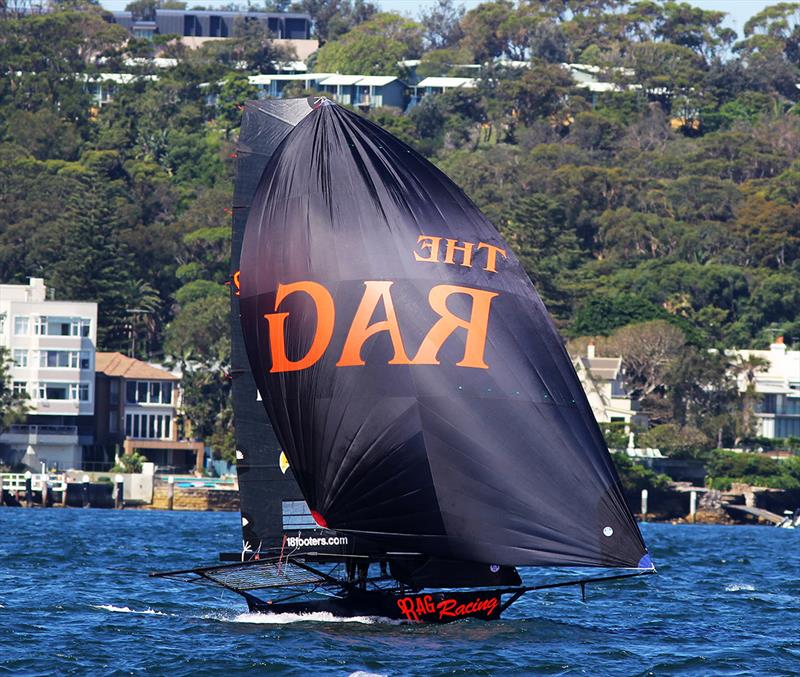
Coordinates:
<point>435,607</point>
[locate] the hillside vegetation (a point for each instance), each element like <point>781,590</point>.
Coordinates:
<point>672,198</point>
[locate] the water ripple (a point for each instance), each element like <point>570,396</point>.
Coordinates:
<point>76,600</point>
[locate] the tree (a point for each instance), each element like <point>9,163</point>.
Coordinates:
<point>92,264</point>
<point>483,38</point>
<point>698,29</point>
<point>635,477</point>
<point>649,351</point>
<point>769,231</point>
<point>536,232</point>
<point>374,47</point>
<point>441,24</point>
<point>602,313</point>
<point>523,95</point>
<point>13,405</point>
<point>703,393</point>
<point>130,463</point>
<point>141,305</point>
<point>333,18</point>
<point>676,441</point>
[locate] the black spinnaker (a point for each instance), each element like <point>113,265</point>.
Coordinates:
<point>411,374</point>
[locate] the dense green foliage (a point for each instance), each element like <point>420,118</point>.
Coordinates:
<point>725,467</point>
<point>672,197</point>
<point>129,463</point>
<point>635,476</point>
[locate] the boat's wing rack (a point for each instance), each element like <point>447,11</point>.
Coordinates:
<point>290,572</point>
<point>253,575</point>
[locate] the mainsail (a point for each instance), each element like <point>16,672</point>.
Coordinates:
<point>265,488</point>
<point>412,376</point>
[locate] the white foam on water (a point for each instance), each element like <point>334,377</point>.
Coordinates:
<point>736,587</point>
<point>126,610</point>
<point>361,673</point>
<point>283,619</point>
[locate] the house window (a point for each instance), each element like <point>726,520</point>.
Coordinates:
<point>769,405</point>
<point>80,326</point>
<point>787,427</point>
<point>21,358</point>
<point>21,325</point>
<point>113,422</point>
<point>19,388</point>
<point>58,359</point>
<point>148,426</point>
<point>113,392</point>
<point>148,392</point>
<point>62,326</point>
<point>53,391</point>
<point>79,391</point>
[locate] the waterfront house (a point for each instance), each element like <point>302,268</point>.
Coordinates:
<point>777,386</point>
<point>138,407</point>
<point>52,344</point>
<point>437,85</point>
<point>272,85</point>
<point>362,91</point>
<point>603,381</point>
<point>377,91</point>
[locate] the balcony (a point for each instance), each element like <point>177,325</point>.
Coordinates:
<point>41,434</point>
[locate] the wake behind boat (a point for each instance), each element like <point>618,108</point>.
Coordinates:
<point>425,431</point>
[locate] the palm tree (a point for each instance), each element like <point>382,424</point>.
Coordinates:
<point>141,303</point>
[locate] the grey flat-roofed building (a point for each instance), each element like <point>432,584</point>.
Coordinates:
<point>213,23</point>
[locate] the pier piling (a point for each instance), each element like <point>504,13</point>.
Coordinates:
<point>692,505</point>
<point>644,503</point>
<point>85,492</point>
<point>28,489</point>
<point>119,493</point>
<point>170,491</point>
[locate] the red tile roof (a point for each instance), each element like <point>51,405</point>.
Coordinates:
<point>117,364</point>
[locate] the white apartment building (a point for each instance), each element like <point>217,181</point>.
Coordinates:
<point>778,388</point>
<point>52,344</point>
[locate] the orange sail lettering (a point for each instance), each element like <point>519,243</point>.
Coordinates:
<point>326,314</point>
<point>476,326</point>
<point>361,330</point>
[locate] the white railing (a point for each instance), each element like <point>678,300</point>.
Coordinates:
<point>16,481</point>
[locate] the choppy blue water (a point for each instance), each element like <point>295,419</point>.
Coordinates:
<point>727,601</point>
